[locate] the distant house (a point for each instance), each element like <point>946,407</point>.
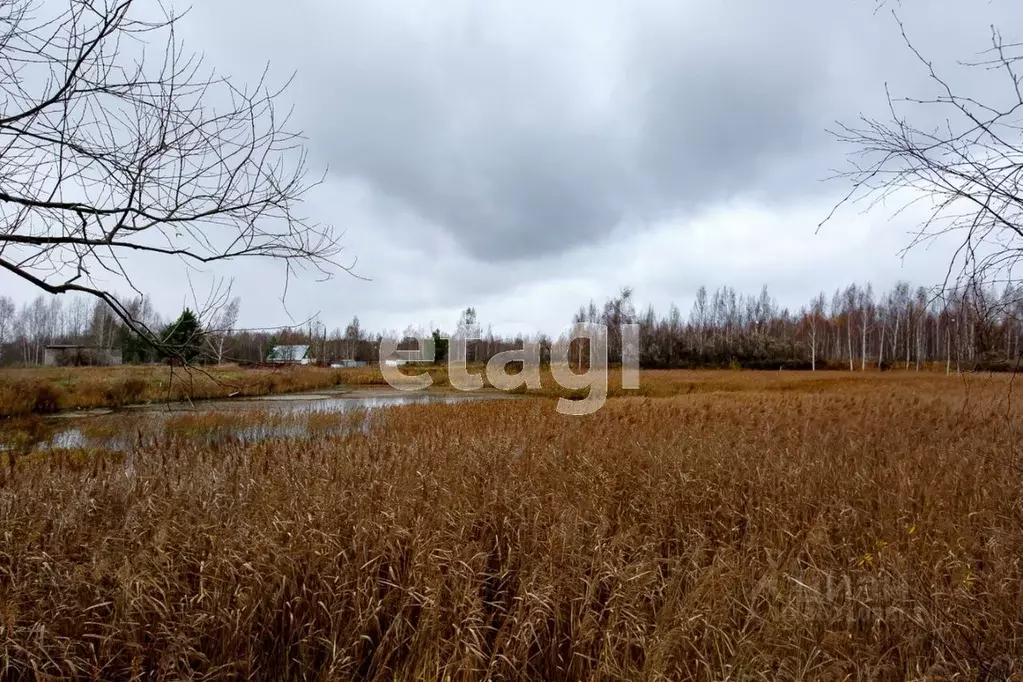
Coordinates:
<point>289,355</point>
<point>404,357</point>
<point>64,355</point>
<point>348,363</point>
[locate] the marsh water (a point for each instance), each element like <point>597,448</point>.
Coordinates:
<point>238,420</point>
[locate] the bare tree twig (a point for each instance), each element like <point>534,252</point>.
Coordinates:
<point>105,152</point>
<point>967,171</point>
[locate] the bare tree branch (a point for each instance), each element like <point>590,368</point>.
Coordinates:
<point>968,169</point>
<point>105,151</point>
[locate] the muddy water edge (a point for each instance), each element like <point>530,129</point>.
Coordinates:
<point>212,422</point>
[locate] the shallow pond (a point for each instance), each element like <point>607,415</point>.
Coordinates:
<point>241,420</point>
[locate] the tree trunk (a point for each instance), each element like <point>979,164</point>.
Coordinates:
<point>880,347</point>
<point>919,348</point>
<point>948,351</point>
<point>863,346</point>
<point>849,337</point>
<point>813,350</point>
<point>895,341</point>
<point>908,344</point>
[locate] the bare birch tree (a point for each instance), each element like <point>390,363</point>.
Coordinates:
<point>219,328</point>
<point>816,312</point>
<point>7,312</point>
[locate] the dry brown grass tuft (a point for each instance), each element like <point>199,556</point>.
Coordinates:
<point>873,531</point>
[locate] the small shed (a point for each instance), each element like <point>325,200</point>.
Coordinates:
<point>289,355</point>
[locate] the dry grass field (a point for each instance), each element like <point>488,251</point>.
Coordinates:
<point>46,390</point>
<point>43,390</point>
<point>712,526</point>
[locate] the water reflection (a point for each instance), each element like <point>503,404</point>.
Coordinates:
<point>218,422</point>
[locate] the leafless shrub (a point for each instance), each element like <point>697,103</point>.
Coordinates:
<point>107,150</point>
<point>958,156</point>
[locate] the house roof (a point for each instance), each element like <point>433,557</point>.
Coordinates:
<point>288,353</point>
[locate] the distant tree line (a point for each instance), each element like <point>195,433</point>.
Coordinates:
<point>91,325</point>
<point>967,328</point>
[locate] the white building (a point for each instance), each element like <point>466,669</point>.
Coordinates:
<point>294,355</point>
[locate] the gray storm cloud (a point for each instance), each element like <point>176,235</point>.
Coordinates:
<point>535,135</point>
<point>524,129</point>
<point>518,151</point>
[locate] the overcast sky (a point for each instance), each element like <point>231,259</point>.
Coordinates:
<point>526,156</point>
